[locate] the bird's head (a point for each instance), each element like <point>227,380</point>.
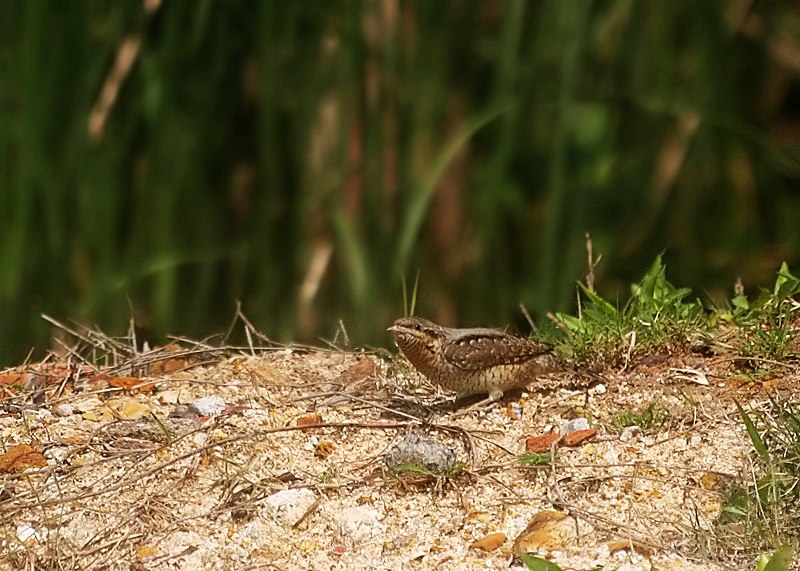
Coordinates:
<point>415,335</point>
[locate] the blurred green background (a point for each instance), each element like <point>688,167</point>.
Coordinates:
<point>162,160</point>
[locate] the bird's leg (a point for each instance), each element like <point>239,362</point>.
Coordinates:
<point>482,404</point>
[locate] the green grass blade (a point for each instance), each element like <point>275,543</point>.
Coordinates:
<point>418,207</point>
<point>752,431</point>
<point>780,560</point>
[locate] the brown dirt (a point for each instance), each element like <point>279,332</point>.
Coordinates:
<point>132,480</point>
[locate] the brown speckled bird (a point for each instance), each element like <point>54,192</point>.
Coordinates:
<point>472,361</point>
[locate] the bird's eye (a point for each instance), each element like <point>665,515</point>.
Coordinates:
<point>418,327</point>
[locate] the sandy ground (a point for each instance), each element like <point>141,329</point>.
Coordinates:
<point>125,473</point>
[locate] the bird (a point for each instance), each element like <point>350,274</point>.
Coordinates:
<point>472,361</point>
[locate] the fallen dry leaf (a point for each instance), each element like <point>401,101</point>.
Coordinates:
<point>547,530</point>
<point>100,414</point>
<point>19,458</point>
<point>359,371</point>
<point>175,359</point>
<point>489,542</point>
<point>145,551</point>
<point>629,545</point>
<point>480,516</point>
<point>309,419</point>
<point>579,436</point>
<point>711,481</point>
<point>543,443</point>
<point>9,379</point>
<point>132,384</point>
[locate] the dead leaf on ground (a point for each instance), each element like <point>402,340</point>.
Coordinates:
<point>547,530</point>
<point>309,419</point>
<point>132,384</point>
<point>359,371</point>
<point>489,542</point>
<point>579,436</point>
<point>170,364</point>
<point>629,545</point>
<point>11,379</point>
<point>539,444</point>
<point>19,458</point>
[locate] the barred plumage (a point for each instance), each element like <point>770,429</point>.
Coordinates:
<point>472,361</point>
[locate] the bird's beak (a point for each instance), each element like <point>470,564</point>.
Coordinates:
<point>393,328</point>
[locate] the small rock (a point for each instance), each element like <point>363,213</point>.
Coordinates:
<point>311,444</point>
<point>129,408</point>
<point>207,406</point>
<point>288,507</point>
<point>26,533</point>
<point>87,404</point>
<point>64,409</point>
<point>629,433</point>
<point>56,455</point>
<point>181,411</point>
<point>600,389</point>
<point>359,526</point>
<point>574,425</point>
<point>200,439</point>
<point>413,450</point>
<point>169,397</point>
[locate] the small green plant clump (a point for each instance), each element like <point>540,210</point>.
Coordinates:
<point>650,417</point>
<point>661,316</point>
<point>657,314</point>
<point>767,328</point>
<point>535,459</point>
<point>766,512</point>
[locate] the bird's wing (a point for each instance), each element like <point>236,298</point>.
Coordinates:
<point>488,348</point>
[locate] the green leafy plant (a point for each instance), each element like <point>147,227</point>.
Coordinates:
<point>778,561</point>
<point>453,471</point>
<point>767,510</point>
<point>538,564</point>
<point>650,417</point>
<point>535,459</point>
<point>658,313</point>
<point>767,328</point>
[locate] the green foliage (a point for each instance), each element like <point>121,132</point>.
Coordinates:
<point>409,307</point>
<point>778,561</point>
<point>535,459</point>
<point>456,470</point>
<point>767,327</point>
<point>299,158</point>
<point>538,564</point>
<point>769,508</point>
<point>656,314</point>
<point>651,417</point>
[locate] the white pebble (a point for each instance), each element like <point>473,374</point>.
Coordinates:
<point>573,425</point>
<point>629,433</point>
<point>208,406</point>
<point>288,507</point>
<point>25,533</point>
<point>359,526</point>
<point>64,409</point>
